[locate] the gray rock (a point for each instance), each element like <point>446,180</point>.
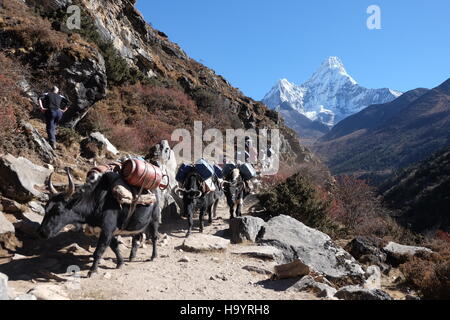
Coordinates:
<point>313,248</point>
<point>22,180</point>
<point>258,270</point>
<point>85,83</point>
<point>398,254</point>
<point>36,207</point>
<point>358,293</point>
<point>262,252</point>
<point>103,141</point>
<point>11,206</point>
<point>4,287</point>
<point>292,270</point>
<point>308,284</point>
<point>184,259</point>
<point>245,228</point>
<point>362,247</point>
<point>5,225</point>
<point>97,146</point>
<point>199,242</point>
<point>30,223</point>
<point>43,147</point>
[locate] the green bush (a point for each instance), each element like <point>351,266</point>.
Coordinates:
<point>298,198</point>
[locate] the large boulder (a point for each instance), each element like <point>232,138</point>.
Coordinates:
<point>245,228</point>
<point>199,242</point>
<point>85,82</point>
<point>98,146</point>
<point>313,248</point>
<point>358,293</point>
<point>21,179</point>
<point>368,250</point>
<point>398,253</point>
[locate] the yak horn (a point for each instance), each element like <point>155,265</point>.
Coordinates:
<point>197,194</point>
<point>178,190</point>
<point>71,189</point>
<point>50,186</point>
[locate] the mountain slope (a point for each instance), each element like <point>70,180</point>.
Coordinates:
<point>329,96</point>
<point>111,55</point>
<point>391,136</point>
<point>421,194</point>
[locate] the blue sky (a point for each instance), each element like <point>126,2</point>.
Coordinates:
<point>253,43</point>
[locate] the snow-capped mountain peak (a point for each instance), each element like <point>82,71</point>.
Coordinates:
<point>329,96</point>
<point>331,70</point>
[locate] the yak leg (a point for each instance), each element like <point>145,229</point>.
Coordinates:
<point>239,207</point>
<point>153,230</point>
<point>136,243</point>
<point>191,223</point>
<point>214,210</point>
<point>202,214</point>
<point>210,213</point>
<point>103,243</point>
<point>114,245</point>
<point>232,212</point>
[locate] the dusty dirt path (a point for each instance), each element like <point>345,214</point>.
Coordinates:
<point>215,275</point>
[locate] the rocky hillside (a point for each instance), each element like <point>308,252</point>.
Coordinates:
<point>387,137</point>
<point>420,194</point>
<point>116,54</point>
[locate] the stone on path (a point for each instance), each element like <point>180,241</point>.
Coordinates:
<point>199,242</point>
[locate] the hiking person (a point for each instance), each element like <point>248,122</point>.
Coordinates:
<point>53,105</point>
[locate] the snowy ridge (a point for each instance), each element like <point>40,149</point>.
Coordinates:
<point>329,96</point>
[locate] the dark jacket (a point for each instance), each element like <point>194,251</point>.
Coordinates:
<point>54,101</point>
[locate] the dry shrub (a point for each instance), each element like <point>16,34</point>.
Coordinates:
<point>135,117</point>
<point>30,31</point>
<point>127,138</point>
<point>354,204</point>
<point>430,272</point>
<point>13,105</point>
<point>442,235</point>
<point>8,120</point>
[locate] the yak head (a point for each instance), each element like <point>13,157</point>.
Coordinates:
<point>190,193</point>
<point>58,213</point>
<point>159,153</point>
<point>233,186</point>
